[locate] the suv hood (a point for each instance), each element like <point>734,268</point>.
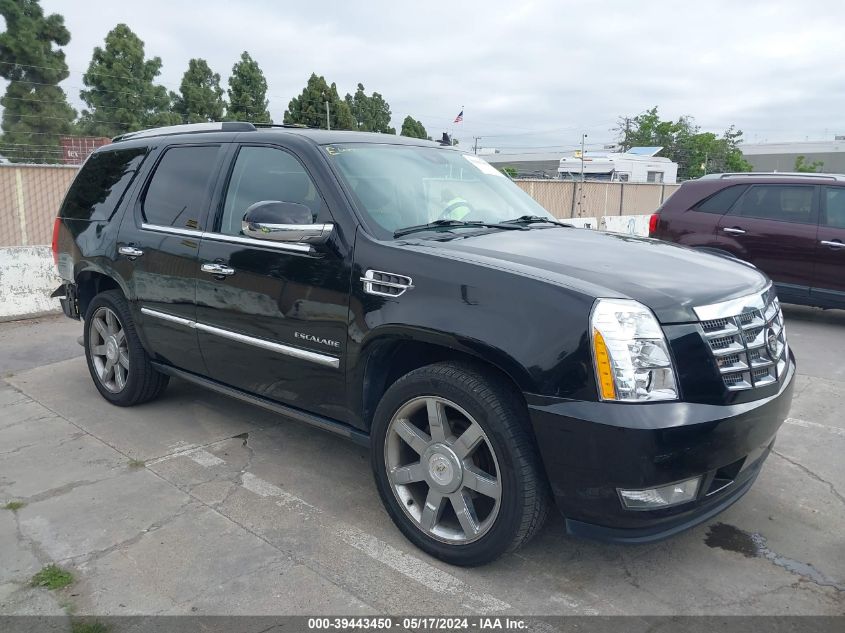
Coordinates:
<point>669,279</point>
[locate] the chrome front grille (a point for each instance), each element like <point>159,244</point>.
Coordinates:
<point>747,339</point>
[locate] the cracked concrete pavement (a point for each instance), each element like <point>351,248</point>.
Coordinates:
<point>237,511</point>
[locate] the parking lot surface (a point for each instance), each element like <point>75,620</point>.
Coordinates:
<point>198,504</point>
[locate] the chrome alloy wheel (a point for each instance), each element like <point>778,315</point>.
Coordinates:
<point>443,470</point>
<point>109,351</point>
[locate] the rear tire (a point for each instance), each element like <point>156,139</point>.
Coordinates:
<point>455,463</point>
<point>118,364</point>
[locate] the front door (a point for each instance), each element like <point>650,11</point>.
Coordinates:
<point>829,284</point>
<point>161,241</point>
<point>272,316</point>
<point>774,228</point>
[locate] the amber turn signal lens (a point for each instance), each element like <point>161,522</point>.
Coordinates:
<point>605,371</point>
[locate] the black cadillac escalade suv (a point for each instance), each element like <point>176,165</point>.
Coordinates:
<point>413,299</point>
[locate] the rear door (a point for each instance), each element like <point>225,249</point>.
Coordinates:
<point>697,226</point>
<point>160,245</point>
<point>274,322</point>
<point>773,226</point>
<point>829,284</point>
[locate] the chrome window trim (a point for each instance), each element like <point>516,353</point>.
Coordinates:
<point>734,307</point>
<point>220,237</point>
<point>293,352</point>
<point>158,228</point>
<point>249,241</point>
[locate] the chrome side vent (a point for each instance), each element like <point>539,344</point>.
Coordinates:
<point>383,284</point>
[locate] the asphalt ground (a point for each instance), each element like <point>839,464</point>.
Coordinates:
<point>199,504</point>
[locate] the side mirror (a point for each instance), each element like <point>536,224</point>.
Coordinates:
<point>277,221</point>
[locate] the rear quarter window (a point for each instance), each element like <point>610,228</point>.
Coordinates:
<point>99,187</point>
<point>721,201</point>
<point>835,207</point>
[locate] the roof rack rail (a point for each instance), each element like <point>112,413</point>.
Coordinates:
<point>774,174</point>
<point>188,128</point>
<point>300,126</point>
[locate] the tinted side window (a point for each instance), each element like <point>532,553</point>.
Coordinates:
<point>786,203</point>
<point>98,189</point>
<point>267,173</point>
<point>176,195</point>
<point>834,198</point>
<point>721,201</point>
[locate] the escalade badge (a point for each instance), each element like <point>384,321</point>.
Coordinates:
<point>316,339</point>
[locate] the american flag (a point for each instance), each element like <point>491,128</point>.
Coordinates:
<point>460,117</point>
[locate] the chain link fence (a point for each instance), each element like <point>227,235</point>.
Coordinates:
<point>30,196</point>
<point>567,199</point>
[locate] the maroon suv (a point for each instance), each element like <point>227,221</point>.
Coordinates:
<point>790,226</point>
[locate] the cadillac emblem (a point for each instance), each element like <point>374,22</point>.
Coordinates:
<point>772,343</point>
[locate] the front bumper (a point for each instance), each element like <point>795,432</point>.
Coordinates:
<point>590,449</point>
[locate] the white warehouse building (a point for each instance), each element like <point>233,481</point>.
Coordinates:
<point>782,156</point>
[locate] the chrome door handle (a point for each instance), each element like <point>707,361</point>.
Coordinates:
<point>834,244</point>
<point>733,231</point>
<point>130,251</point>
<point>217,269</point>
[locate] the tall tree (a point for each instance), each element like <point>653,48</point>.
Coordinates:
<point>413,128</point>
<point>200,96</point>
<point>120,94</point>
<point>35,108</point>
<point>309,108</point>
<point>371,113</point>
<point>696,152</point>
<point>248,92</point>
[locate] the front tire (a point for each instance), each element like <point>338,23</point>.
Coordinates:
<point>118,364</point>
<point>455,464</point>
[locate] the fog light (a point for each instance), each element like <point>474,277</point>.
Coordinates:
<point>662,497</point>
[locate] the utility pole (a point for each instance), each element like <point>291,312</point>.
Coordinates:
<point>328,119</point>
<point>583,140</point>
<point>581,187</point>
<point>625,147</point>
<point>475,146</point>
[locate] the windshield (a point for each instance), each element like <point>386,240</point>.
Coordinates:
<point>398,186</point>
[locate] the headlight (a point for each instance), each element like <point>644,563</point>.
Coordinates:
<point>630,353</point>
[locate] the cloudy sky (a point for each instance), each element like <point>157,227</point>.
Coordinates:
<point>527,73</point>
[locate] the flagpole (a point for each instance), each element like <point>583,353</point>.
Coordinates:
<point>452,135</point>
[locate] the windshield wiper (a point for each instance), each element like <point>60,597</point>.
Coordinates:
<point>535,219</point>
<point>437,224</point>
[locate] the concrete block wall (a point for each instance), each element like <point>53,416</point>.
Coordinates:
<point>27,278</point>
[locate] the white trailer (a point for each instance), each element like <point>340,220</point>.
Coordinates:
<point>638,164</point>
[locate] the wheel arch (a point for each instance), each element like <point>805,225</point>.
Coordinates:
<point>390,355</point>
<point>91,282</point>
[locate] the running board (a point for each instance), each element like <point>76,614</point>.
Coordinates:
<point>338,428</point>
